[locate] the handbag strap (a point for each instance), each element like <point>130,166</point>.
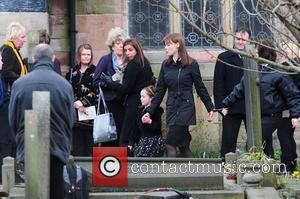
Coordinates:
<point>101,97</point>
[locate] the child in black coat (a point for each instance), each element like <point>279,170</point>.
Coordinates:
<point>150,143</point>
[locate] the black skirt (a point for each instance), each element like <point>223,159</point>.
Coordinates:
<point>178,136</point>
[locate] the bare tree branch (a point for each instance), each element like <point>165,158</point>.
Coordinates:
<point>219,43</point>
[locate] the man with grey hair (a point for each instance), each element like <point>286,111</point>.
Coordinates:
<point>42,77</point>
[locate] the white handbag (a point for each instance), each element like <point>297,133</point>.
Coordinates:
<point>104,124</point>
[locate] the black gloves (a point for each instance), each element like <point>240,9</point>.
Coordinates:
<point>108,82</point>
<point>106,78</point>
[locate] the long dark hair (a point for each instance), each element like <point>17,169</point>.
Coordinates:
<point>139,51</point>
<point>182,52</point>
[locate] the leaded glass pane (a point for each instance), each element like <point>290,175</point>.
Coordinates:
<point>257,25</point>
<point>211,12</point>
<point>23,5</point>
<point>148,21</point>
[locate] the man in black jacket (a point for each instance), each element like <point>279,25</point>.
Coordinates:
<point>277,91</point>
<point>228,73</point>
<point>43,78</point>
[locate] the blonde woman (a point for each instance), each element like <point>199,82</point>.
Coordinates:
<point>112,64</point>
<point>12,68</point>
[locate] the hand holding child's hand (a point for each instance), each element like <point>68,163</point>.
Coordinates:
<point>294,122</point>
<point>146,119</point>
<point>210,116</point>
<point>224,111</point>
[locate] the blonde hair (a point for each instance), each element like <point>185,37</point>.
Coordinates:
<point>150,91</point>
<point>114,35</point>
<point>14,30</point>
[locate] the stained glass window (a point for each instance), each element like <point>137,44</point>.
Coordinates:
<point>149,21</point>
<point>202,10</point>
<point>256,23</point>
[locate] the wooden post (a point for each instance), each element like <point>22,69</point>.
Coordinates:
<point>8,174</point>
<point>37,153</point>
<point>174,18</point>
<point>252,101</point>
<point>227,23</point>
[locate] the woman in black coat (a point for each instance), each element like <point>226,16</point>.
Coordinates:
<point>178,74</point>
<point>13,67</point>
<point>84,96</point>
<point>276,92</point>
<point>137,75</point>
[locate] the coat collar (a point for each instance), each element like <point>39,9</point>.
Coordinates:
<point>44,63</point>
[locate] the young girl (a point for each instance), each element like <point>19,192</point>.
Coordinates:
<point>150,143</point>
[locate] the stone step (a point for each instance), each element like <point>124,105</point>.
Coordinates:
<point>234,193</point>
<point>181,173</point>
<point>216,194</point>
<point>261,193</point>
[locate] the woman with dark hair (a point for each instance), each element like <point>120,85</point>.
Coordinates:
<point>178,73</point>
<point>137,75</point>
<point>276,91</point>
<point>113,65</point>
<point>44,38</point>
<point>84,96</point>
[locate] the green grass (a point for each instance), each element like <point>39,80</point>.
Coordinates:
<point>277,154</point>
<point>200,153</point>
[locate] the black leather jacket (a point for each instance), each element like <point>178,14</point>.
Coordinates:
<point>277,91</point>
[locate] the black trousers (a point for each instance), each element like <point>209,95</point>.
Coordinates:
<point>269,125</point>
<point>82,140</point>
<point>230,129</point>
<point>117,109</point>
<point>287,142</point>
<point>56,178</point>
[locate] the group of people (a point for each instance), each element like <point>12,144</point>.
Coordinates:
<point>127,81</point>
<point>20,81</point>
<point>133,96</point>
<point>278,92</point>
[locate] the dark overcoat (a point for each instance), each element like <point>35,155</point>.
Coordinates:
<point>44,78</point>
<point>179,81</point>
<point>11,70</point>
<point>226,77</point>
